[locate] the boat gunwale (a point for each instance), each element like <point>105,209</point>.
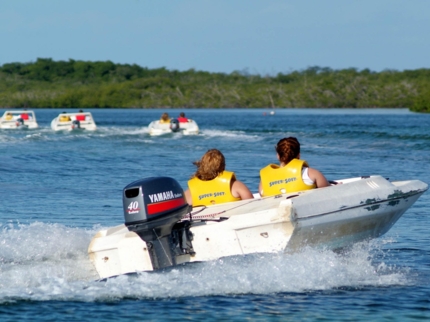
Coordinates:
<point>404,196</point>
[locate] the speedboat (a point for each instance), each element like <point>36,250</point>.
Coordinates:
<point>186,128</point>
<point>74,122</point>
<point>161,230</point>
<point>18,120</point>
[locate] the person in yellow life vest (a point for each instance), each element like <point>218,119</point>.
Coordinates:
<point>292,174</point>
<point>9,117</point>
<point>212,184</point>
<point>165,118</point>
<point>65,118</point>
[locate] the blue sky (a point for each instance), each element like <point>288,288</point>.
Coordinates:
<point>257,36</point>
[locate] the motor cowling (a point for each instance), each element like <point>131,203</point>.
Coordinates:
<point>153,199</point>
<point>76,124</point>
<point>174,125</point>
<point>19,122</point>
<point>153,208</point>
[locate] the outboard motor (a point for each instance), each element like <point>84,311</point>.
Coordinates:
<point>76,124</point>
<point>19,122</point>
<point>153,208</point>
<point>174,125</point>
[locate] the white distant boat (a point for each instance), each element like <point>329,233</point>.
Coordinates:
<point>186,128</point>
<point>18,120</point>
<point>74,122</point>
<point>161,230</point>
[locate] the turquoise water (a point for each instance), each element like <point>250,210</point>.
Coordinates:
<point>59,189</point>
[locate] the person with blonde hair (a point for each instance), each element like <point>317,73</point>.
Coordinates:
<point>212,184</point>
<point>292,174</point>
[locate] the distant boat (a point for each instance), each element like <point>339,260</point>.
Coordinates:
<point>74,122</point>
<point>186,128</point>
<point>18,119</point>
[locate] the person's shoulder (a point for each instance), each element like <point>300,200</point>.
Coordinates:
<point>238,184</point>
<point>242,189</point>
<point>313,170</point>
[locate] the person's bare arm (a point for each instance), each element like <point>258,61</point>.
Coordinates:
<point>240,190</point>
<point>318,178</point>
<point>188,197</point>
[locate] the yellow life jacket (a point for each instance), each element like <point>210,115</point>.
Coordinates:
<point>276,180</point>
<point>164,121</point>
<point>64,118</point>
<point>215,191</point>
<point>9,117</point>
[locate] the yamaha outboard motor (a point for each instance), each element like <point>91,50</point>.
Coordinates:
<point>174,125</point>
<point>76,124</point>
<point>153,208</point>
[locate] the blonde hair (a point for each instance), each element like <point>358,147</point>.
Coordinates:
<point>210,166</point>
<point>288,149</point>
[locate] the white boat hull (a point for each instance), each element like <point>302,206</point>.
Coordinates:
<point>335,217</point>
<point>13,120</point>
<point>156,128</point>
<point>73,124</point>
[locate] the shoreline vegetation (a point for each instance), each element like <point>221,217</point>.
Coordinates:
<point>83,84</point>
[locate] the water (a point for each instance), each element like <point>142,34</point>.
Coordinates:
<point>59,189</point>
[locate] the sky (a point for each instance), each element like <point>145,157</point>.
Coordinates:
<point>263,37</point>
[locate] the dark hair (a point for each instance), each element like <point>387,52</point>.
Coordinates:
<point>165,117</point>
<point>182,114</point>
<point>210,166</point>
<point>288,149</point>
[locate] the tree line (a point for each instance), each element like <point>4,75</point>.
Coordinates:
<point>83,84</point>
